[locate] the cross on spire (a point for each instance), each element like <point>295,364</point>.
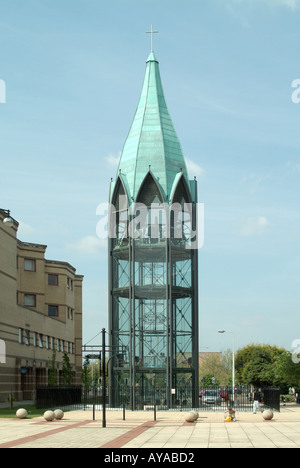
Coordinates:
<point>152,32</point>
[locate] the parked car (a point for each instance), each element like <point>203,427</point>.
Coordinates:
<point>224,394</point>
<point>211,397</point>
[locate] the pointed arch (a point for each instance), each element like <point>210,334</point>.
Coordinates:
<point>120,201</point>
<point>151,208</point>
<point>119,190</point>
<point>181,211</point>
<point>180,190</point>
<point>149,191</point>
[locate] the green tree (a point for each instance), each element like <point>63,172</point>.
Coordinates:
<point>86,378</point>
<point>67,371</point>
<point>286,367</point>
<point>53,377</point>
<point>209,380</point>
<point>215,365</point>
<point>95,373</point>
<point>257,365</point>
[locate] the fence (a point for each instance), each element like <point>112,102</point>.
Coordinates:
<point>59,397</point>
<point>241,400</point>
<point>209,398</point>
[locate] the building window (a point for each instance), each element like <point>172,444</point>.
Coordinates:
<point>69,284</point>
<point>57,344</point>
<point>29,264</point>
<point>29,300</point>
<point>34,339</point>
<point>53,311</point>
<point>62,345</point>
<point>27,337</point>
<point>41,341</point>
<point>47,341</point>
<point>53,280</point>
<point>20,336</point>
<point>70,313</point>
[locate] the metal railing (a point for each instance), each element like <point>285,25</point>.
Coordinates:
<point>209,398</point>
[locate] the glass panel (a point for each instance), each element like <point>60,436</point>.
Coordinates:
<point>29,265</point>
<point>52,311</point>
<point>53,280</point>
<point>40,341</point>
<point>29,300</point>
<point>151,333</point>
<point>27,337</point>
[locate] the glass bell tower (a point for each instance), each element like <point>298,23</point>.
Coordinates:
<point>153,263</point>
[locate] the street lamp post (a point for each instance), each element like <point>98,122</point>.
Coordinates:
<point>104,382</point>
<point>233,363</point>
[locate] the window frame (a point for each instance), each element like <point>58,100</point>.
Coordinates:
<point>27,337</point>
<point>53,275</point>
<point>41,340</point>
<point>30,270</point>
<point>57,309</point>
<point>34,300</point>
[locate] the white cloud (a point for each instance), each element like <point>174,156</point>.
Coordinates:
<point>293,167</point>
<point>253,181</point>
<point>88,245</point>
<point>25,229</point>
<point>253,226</point>
<point>193,168</point>
<point>291,4</point>
<point>113,160</point>
<point>238,15</point>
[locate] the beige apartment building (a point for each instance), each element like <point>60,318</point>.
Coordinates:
<point>40,315</point>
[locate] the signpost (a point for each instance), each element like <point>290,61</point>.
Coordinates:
<point>99,352</point>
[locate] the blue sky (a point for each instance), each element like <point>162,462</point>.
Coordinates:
<point>74,70</point>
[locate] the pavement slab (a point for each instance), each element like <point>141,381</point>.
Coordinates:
<point>170,431</point>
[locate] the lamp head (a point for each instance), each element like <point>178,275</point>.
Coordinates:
<point>8,221</point>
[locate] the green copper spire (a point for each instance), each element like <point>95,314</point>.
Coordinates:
<point>152,143</point>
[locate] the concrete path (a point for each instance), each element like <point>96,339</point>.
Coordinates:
<point>140,431</point>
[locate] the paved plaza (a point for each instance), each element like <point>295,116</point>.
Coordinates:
<point>140,431</point>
